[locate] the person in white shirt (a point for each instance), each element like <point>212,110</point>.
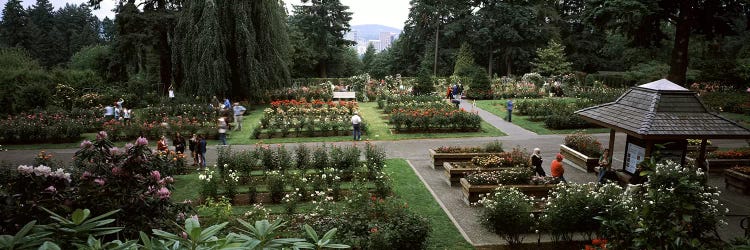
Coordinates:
<point>356,122</point>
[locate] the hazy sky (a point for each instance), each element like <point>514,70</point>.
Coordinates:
<point>391,13</point>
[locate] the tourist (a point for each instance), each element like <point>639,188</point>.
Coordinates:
<point>356,122</point>
<point>171,93</point>
<point>162,145</point>
<point>179,143</point>
<point>109,113</point>
<point>239,111</point>
<point>536,161</point>
<point>227,104</point>
<point>193,146</point>
<point>460,89</point>
<point>604,165</point>
<point>126,116</point>
<point>509,106</point>
<point>202,151</point>
<point>557,168</point>
<point>119,103</point>
<point>448,95</point>
<point>118,111</point>
<point>222,131</point>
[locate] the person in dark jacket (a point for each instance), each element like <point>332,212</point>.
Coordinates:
<point>536,161</point>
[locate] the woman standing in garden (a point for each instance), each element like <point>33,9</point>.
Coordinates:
<point>536,161</point>
<point>202,151</point>
<point>179,143</point>
<point>603,165</point>
<point>557,168</point>
<point>223,130</point>
<point>162,145</point>
<point>193,145</point>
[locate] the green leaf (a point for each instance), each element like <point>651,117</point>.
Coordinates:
<point>80,215</point>
<point>211,231</point>
<point>338,246</point>
<point>49,246</point>
<point>311,233</point>
<point>191,223</point>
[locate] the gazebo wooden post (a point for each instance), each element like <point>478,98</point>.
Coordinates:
<point>611,145</point>
<point>701,161</point>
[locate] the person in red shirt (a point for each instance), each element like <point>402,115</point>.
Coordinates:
<point>162,145</point>
<point>557,168</point>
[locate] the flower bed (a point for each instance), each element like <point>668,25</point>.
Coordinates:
<point>472,193</point>
<point>489,163</point>
<point>447,119</point>
<point>292,118</point>
<point>462,154</point>
<point>738,179</point>
<point>582,150</point>
<point>48,127</point>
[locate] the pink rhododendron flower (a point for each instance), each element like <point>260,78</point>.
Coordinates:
<point>156,175</point>
<point>114,150</point>
<point>116,171</point>
<point>86,144</point>
<point>99,181</point>
<point>23,169</point>
<point>42,170</point>
<point>101,135</point>
<point>141,141</point>
<point>163,193</point>
<point>169,179</point>
<point>85,175</point>
<point>128,146</point>
<point>51,189</point>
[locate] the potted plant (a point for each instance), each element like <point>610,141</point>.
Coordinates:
<point>582,150</point>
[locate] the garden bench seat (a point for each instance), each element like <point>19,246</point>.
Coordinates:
<point>345,95</point>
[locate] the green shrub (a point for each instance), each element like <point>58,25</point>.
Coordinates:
<point>584,143</point>
<point>507,212</point>
<point>571,209</point>
<point>735,102</point>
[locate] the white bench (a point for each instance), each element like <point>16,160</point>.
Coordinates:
<point>344,95</point>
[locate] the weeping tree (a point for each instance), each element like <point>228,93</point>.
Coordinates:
<point>232,48</point>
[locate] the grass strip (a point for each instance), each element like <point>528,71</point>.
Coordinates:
<point>408,187</point>
<point>497,107</point>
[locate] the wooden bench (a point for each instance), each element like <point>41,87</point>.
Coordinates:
<point>345,95</point>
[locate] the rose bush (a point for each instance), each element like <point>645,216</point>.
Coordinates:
<point>584,143</point>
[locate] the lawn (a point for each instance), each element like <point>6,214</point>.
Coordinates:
<point>741,119</point>
<point>406,186</point>
<point>378,129</point>
<point>497,107</point>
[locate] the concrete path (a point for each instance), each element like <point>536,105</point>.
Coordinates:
<point>450,198</point>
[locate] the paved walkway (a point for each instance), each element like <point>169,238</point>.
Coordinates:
<point>450,198</point>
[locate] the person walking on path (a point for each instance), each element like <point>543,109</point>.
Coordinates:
<point>557,168</point>
<point>171,93</point>
<point>356,122</point>
<point>509,106</point>
<point>239,111</point>
<point>109,113</point>
<point>179,143</point>
<point>202,152</point>
<point>193,146</point>
<point>222,131</point>
<point>604,165</point>
<point>536,161</point>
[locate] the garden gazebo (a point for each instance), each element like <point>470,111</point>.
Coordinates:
<point>663,113</point>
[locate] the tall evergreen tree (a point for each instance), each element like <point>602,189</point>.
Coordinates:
<point>368,58</point>
<point>44,36</point>
<point>232,48</point>
<point>464,61</point>
<point>13,27</point>
<point>323,23</point>
<point>551,61</point>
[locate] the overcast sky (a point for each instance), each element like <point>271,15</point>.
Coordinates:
<point>391,13</point>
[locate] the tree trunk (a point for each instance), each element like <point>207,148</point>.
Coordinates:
<point>679,60</point>
<point>437,31</point>
<point>322,71</point>
<point>489,66</point>
<point>508,67</point>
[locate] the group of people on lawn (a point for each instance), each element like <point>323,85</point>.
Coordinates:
<point>557,170</point>
<point>196,144</point>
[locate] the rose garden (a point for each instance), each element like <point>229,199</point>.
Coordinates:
<point>272,125</point>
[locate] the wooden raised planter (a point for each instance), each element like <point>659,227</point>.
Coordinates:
<point>737,181</point>
<point>471,192</point>
<point>439,158</point>
<point>720,165</point>
<point>578,159</point>
<point>453,174</point>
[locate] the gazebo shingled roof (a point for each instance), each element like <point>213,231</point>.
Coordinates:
<point>663,110</point>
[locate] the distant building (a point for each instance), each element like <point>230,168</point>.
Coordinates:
<point>386,38</point>
<point>375,43</point>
